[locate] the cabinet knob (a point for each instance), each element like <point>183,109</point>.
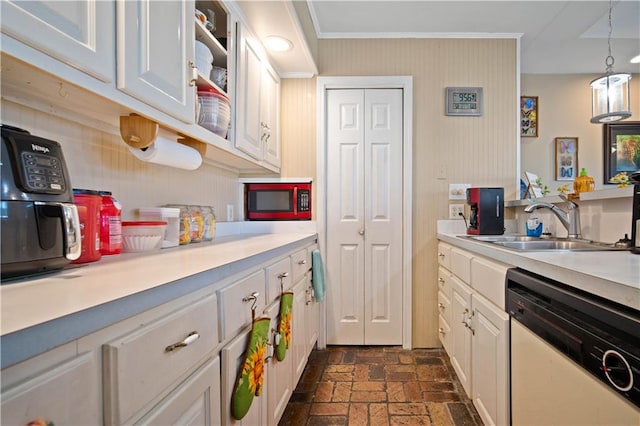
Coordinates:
<point>441,280</point>
<point>441,331</point>
<point>283,275</point>
<point>441,254</point>
<point>441,306</point>
<point>302,262</point>
<point>361,232</point>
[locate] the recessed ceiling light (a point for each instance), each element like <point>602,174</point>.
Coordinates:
<point>635,60</point>
<point>278,44</point>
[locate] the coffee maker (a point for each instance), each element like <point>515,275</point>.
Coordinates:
<point>635,219</point>
<point>40,226</point>
<point>487,211</point>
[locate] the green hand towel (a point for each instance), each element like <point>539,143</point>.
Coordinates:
<point>284,325</point>
<point>251,377</point>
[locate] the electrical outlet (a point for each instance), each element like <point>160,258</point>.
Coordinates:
<point>229,212</point>
<point>455,210</point>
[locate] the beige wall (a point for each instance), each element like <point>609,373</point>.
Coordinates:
<point>565,110</point>
<point>476,150</point>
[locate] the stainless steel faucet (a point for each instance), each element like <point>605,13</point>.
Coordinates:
<point>570,219</point>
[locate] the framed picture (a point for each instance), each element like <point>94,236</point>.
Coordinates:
<point>533,185</point>
<point>566,158</point>
<point>621,148</point>
<point>529,116</point>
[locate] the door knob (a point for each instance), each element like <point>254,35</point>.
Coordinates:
<point>361,232</point>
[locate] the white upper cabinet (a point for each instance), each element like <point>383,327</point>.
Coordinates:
<point>257,102</point>
<point>79,33</point>
<point>155,54</point>
<point>270,116</point>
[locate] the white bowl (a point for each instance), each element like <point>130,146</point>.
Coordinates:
<point>204,58</point>
<point>137,243</point>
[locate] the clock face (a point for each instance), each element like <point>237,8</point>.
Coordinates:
<point>464,101</point>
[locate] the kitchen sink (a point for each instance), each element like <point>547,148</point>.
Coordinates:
<point>525,243</point>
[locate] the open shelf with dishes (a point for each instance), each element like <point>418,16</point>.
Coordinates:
<point>214,63</point>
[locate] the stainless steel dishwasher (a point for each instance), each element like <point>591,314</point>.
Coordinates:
<point>575,357</point>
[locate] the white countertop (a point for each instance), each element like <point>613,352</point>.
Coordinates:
<point>33,301</point>
<point>613,275</point>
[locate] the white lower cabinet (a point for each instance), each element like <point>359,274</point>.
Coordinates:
<point>176,363</point>
<point>144,365</point>
<point>299,329</point>
<point>478,339</point>
<point>460,336</point>
<point>279,383</point>
<point>64,393</point>
<point>194,402</point>
<point>232,357</point>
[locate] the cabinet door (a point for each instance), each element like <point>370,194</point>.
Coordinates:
<point>78,33</point>
<point>311,317</point>
<point>41,396</point>
<point>460,335</point>
<point>232,360</point>
<point>270,115</point>
<point>194,402</point>
<point>490,355</point>
<point>155,48</point>
<point>249,79</point>
<point>298,330</point>
<point>279,385</point>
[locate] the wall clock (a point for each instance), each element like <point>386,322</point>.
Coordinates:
<point>464,101</point>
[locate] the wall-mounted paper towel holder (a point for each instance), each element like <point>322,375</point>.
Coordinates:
<point>137,131</point>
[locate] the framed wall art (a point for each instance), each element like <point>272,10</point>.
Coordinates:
<point>621,148</point>
<point>566,158</point>
<point>529,116</point>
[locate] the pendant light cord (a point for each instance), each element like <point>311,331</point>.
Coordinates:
<point>609,61</point>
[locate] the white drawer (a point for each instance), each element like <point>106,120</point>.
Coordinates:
<point>444,306</point>
<point>488,279</point>
<point>444,281</point>
<point>142,365</point>
<point>236,312</point>
<point>300,264</point>
<point>461,264</point>
<point>444,255</point>
<point>282,268</point>
<point>444,333</point>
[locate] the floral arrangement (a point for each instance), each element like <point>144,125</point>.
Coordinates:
<point>621,179</point>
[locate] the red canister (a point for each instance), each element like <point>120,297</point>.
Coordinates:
<point>110,224</point>
<point>88,203</point>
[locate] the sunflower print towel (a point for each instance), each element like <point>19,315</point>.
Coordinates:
<point>251,377</point>
<point>284,325</point>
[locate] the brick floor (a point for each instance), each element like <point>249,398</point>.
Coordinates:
<point>373,385</point>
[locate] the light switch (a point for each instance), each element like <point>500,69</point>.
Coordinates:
<point>458,191</point>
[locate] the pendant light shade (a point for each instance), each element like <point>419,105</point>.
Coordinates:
<point>610,92</point>
<point>610,98</point>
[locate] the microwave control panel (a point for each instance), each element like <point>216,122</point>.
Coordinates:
<point>303,200</point>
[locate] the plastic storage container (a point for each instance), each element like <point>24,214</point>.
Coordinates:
<point>170,215</point>
<point>110,224</point>
<point>214,111</point>
<point>88,203</point>
<point>142,235</point>
<point>209,220</point>
<point>184,235</point>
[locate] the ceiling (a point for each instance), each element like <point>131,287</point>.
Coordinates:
<point>556,37</point>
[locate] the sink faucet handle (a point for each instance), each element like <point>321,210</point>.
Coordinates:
<point>568,201</point>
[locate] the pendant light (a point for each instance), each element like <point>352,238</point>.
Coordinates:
<point>610,92</point>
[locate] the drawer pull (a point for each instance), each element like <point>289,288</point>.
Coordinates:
<point>302,262</point>
<point>441,254</point>
<point>191,337</point>
<point>441,331</point>
<point>441,280</point>
<point>441,306</point>
<point>283,275</point>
